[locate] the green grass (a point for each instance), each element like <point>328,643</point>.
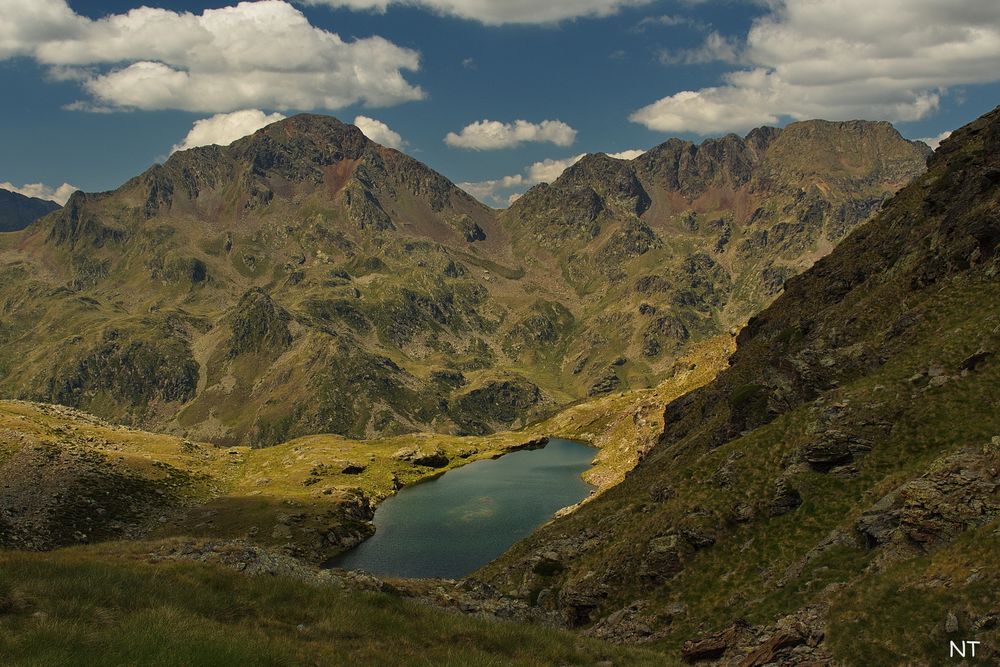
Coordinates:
<point>961,579</point>
<point>79,607</point>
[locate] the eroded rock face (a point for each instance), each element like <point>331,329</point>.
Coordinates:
<point>134,368</point>
<point>501,402</point>
<point>959,492</point>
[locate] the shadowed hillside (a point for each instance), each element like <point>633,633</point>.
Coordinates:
<point>18,211</point>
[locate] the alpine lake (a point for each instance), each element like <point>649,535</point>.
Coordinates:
<point>454,524</point>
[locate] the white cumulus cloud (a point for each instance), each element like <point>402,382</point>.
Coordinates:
<point>492,134</point>
<point>225,128</point>
<point>630,154</point>
<point>934,142</point>
<point>841,59</point>
<point>549,170</point>
<point>58,194</point>
<point>379,132</point>
<point>498,191</point>
<point>487,190</point>
<point>253,54</point>
<point>498,12</point>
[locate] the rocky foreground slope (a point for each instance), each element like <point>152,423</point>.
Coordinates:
<point>307,280</point>
<point>834,494</point>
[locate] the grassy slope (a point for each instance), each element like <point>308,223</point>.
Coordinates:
<point>625,425</point>
<point>201,490</point>
<point>106,604</point>
<point>109,606</point>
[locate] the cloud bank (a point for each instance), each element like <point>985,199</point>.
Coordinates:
<point>934,142</point>
<point>252,55</point>
<point>497,12</point>
<point>497,192</point>
<point>493,135</point>
<point>840,59</point>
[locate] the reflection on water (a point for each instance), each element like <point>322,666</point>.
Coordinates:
<point>452,525</point>
<point>480,508</point>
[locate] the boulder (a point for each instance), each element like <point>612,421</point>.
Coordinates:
<point>435,459</point>
<point>713,647</point>
<point>664,558</point>
<point>417,456</point>
<point>578,600</point>
<point>833,448</point>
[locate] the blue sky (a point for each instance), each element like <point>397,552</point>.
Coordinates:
<point>92,101</point>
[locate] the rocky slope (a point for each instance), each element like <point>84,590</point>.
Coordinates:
<point>307,280</point>
<point>18,211</point>
<point>834,494</point>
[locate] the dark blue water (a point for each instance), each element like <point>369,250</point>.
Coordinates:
<point>452,525</point>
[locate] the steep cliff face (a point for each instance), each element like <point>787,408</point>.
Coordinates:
<point>306,279</point>
<point>834,493</point>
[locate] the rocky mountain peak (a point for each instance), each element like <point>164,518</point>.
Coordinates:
<point>840,151</point>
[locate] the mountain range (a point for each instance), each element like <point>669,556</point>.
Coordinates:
<point>307,280</point>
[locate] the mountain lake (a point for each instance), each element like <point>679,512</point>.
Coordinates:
<point>452,525</point>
